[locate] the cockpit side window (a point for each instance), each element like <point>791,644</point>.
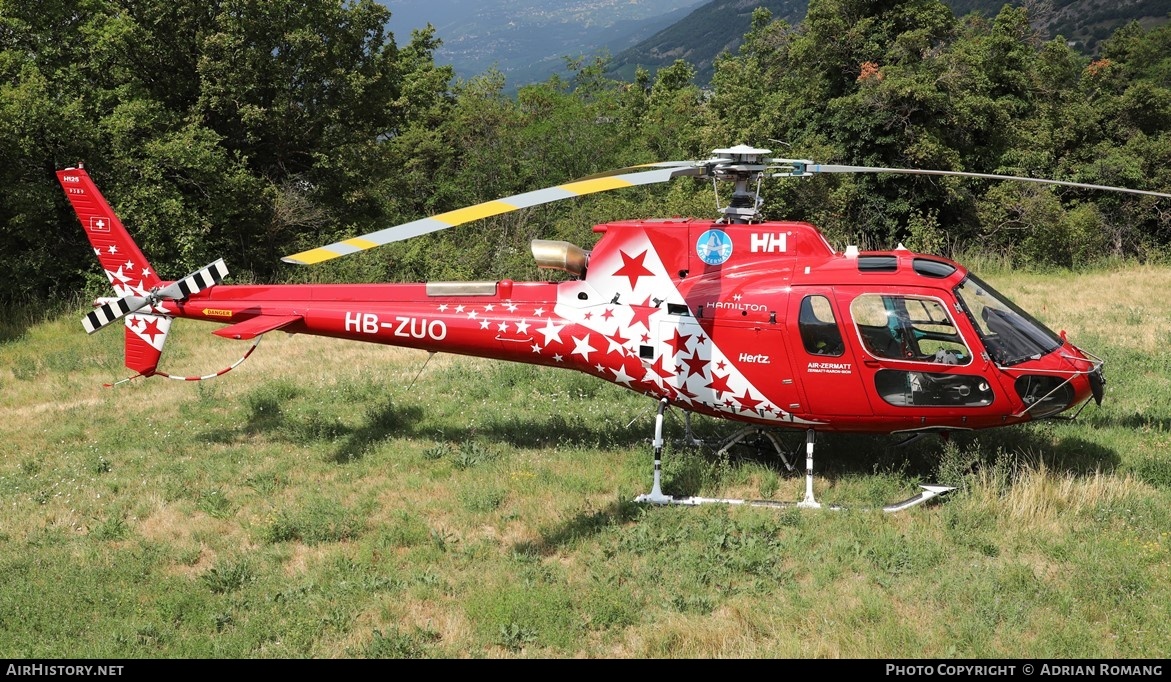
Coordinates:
<point>911,328</point>
<point>819,329</point>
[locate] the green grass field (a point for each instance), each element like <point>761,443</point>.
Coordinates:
<point>315,503</point>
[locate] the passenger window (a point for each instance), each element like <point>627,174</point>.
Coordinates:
<point>819,329</point>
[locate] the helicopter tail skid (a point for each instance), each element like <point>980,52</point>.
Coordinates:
<point>657,497</point>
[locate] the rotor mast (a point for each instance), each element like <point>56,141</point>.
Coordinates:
<point>740,165</point>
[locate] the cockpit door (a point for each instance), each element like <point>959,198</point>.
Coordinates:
<point>823,355</point>
<point>915,358</point>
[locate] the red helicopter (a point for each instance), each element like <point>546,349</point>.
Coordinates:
<point>758,322</point>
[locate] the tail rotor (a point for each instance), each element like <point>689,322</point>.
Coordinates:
<point>111,311</point>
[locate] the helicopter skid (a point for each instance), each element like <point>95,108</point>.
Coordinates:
<point>929,492</point>
<point>656,496</point>
<point>695,501</point>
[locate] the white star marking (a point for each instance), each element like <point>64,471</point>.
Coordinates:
<point>489,308</point>
<point>472,314</point>
<point>600,368</point>
<point>557,357</point>
<point>622,376</point>
<point>146,272</point>
<point>522,327</point>
<point>459,309</point>
<point>582,346</point>
<point>536,348</point>
<point>539,312</point>
<point>442,307</point>
<point>503,326</point>
<point>552,332</point>
<point>112,249</point>
<point>484,324</point>
<point>129,265</point>
<point>511,307</point>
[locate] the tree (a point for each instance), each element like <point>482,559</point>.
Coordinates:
<point>234,128</point>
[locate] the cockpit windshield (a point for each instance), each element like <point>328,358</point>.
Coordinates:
<point>1010,334</point>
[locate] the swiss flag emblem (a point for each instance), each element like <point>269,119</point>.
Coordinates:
<point>99,224</point>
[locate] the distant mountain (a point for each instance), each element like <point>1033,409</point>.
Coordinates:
<point>702,35</point>
<point>1086,23</point>
<point>527,40</point>
<point>720,25</point>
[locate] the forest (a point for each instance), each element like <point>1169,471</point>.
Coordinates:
<point>253,129</point>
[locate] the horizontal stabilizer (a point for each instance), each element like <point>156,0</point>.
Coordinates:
<point>261,324</point>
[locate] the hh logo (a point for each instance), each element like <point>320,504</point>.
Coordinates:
<point>99,224</point>
<point>768,243</point>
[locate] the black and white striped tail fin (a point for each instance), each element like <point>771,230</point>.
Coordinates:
<point>197,281</point>
<point>110,311</point>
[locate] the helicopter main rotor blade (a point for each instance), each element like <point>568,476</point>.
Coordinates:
<point>801,168</point>
<point>641,166</point>
<point>737,163</point>
<point>599,183</point>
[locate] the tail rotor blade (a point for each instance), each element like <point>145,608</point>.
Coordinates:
<point>112,311</point>
<point>197,281</point>
<point>201,279</point>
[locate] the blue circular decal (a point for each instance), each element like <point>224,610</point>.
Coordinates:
<point>714,247</point>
